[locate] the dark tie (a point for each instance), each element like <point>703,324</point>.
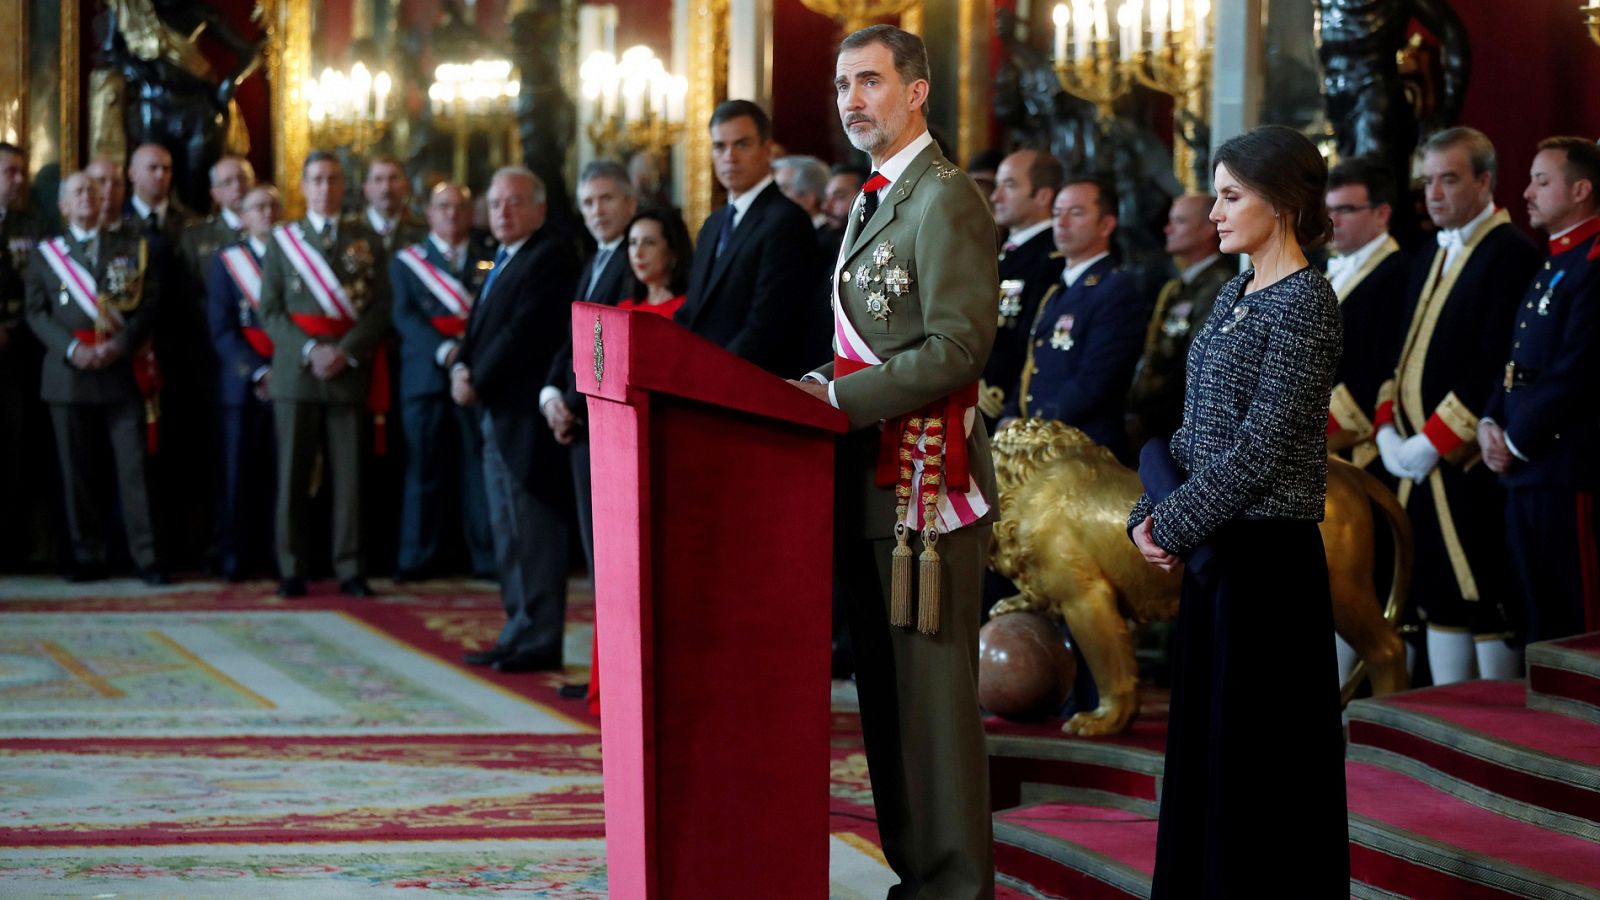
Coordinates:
<point>326,235</point>
<point>600,261</point>
<point>91,248</point>
<point>727,229</point>
<point>870,195</point>
<point>499,262</point>
<point>152,222</point>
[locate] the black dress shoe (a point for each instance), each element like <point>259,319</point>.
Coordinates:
<point>154,577</point>
<point>576,691</point>
<point>529,662</point>
<point>356,587</point>
<point>86,572</point>
<point>486,657</point>
<point>294,586</point>
<point>404,576</point>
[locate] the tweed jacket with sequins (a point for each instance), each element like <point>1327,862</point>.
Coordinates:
<point>1255,411</point>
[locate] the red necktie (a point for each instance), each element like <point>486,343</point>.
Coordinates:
<point>870,191</point>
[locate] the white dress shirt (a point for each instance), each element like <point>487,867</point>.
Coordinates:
<point>1074,271</point>
<point>1342,269</point>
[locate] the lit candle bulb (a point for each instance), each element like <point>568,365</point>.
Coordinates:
<point>1158,24</point>
<point>380,89</point>
<point>1202,27</point>
<point>1061,17</point>
<point>1082,25</point>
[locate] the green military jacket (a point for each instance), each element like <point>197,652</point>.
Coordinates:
<point>357,260</point>
<point>122,270</point>
<point>18,234</point>
<point>202,240</point>
<point>917,283</point>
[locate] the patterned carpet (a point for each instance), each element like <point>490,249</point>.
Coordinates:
<point>214,740</point>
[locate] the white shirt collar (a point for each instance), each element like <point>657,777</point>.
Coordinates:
<point>450,252</point>
<point>1024,235</point>
<point>1456,237</point>
<point>258,246</point>
<point>144,209</point>
<point>741,203</point>
<point>231,219</point>
<point>511,249</point>
<point>79,235</point>
<point>1073,272</point>
<point>611,245</point>
<point>379,224</point>
<point>819,221</point>
<point>1569,229</point>
<point>317,221</point>
<point>1190,273</point>
<point>896,165</point>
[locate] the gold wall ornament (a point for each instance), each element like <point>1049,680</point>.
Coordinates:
<point>14,73</point>
<point>1591,17</point>
<point>599,352</point>
<point>287,24</point>
<point>858,14</point>
<point>708,86</point>
<point>1061,538</point>
<point>70,107</point>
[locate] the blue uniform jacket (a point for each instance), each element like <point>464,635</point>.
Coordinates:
<point>414,310</point>
<point>228,313</point>
<point>1547,400</point>
<point>1086,341</point>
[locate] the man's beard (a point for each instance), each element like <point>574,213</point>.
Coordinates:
<point>867,140</point>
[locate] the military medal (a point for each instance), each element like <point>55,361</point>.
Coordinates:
<point>1061,338</point>
<point>1010,301</point>
<point>863,274</point>
<point>1177,323</point>
<point>878,305</point>
<point>1544,301</point>
<point>882,254</point>
<point>896,281</point>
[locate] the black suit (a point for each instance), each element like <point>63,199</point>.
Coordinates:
<point>1375,320</point>
<point>615,282</point>
<point>758,299</point>
<point>516,328</point>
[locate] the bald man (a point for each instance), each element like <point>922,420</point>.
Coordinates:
<point>152,203</point>
<point>232,177</point>
<point>1155,402</point>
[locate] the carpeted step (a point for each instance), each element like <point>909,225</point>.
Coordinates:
<point>1028,763</point>
<point>1409,838</point>
<point>1564,676</point>
<point>1076,850</point>
<point>1478,741</point>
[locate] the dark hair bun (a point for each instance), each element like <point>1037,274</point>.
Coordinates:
<point>1285,168</point>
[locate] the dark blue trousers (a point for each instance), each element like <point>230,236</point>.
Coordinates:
<point>443,445</point>
<point>1551,536</point>
<point>249,465</point>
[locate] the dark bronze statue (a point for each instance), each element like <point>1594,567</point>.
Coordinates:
<point>170,94</point>
<point>547,118</point>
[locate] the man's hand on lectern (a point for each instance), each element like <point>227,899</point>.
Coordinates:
<point>819,391</point>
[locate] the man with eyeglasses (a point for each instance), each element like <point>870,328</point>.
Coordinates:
<point>1369,274</point>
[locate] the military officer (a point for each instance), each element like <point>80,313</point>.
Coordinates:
<point>1542,430</point>
<point>1024,195</point>
<point>91,302</point>
<point>232,177</point>
<point>244,386</point>
<point>1462,299</point>
<point>1369,276</point>
<point>325,302</point>
<point>434,283</point>
<point>23,421</point>
<point>1155,402</point>
<point>914,309</point>
<point>387,193</point>
<point>1086,336</point>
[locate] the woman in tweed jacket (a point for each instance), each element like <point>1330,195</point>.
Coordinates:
<point>1254,734</point>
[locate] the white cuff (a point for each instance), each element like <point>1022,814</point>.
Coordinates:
<point>548,393</point>
<point>305,351</point>
<point>457,366</point>
<point>71,347</point>
<point>1513,448</point>
<point>833,399</point>
<point>350,359</point>
<point>260,373</point>
<point>442,352</point>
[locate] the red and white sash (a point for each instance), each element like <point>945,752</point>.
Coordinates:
<point>955,511</point>
<point>246,272</point>
<point>444,288</point>
<point>315,273</point>
<point>78,281</point>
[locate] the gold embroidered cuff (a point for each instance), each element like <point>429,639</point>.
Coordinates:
<point>1384,412</point>
<point>1454,427</point>
<point>1353,426</point>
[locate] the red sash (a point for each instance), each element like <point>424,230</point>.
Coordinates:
<point>258,340</point>
<point>450,326</point>
<point>147,377</point>
<point>377,392</point>
<point>958,476</point>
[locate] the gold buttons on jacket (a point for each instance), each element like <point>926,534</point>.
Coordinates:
<point>844,276</point>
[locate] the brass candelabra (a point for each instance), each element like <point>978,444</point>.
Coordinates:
<point>858,14</point>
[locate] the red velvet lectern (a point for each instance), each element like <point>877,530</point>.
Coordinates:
<point>713,520</point>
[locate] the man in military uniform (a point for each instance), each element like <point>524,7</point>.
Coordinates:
<point>23,445</point>
<point>91,299</point>
<point>434,283</point>
<point>244,387</point>
<point>1155,402</point>
<point>232,177</point>
<point>387,192</point>
<point>325,302</point>
<point>1085,338</point>
<point>1369,275</point>
<point>1462,299</point>
<point>111,184</point>
<point>914,309</point>
<point>1541,433</point>
<point>1024,194</point>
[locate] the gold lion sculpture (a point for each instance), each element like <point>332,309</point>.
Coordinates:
<point>1062,539</point>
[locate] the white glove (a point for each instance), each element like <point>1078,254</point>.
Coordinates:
<point>1389,443</point>
<point>1418,456</point>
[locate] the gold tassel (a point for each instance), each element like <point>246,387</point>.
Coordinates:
<point>929,588</point>
<point>900,578</point>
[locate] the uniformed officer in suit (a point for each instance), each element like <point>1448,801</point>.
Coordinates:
<point>325,301</point>
<point>1369,275</point>
<point>1155,402</point>
<point>1024,195</point>
<point>914,297</point>
<point>232,177</point>
<point>1462,299</point>
<point>24,423</point>
<point>152,204</point>
<point>388,193</point>
<point>607,200</point>
<point>434,282</point>
<point>1086,336</point>
<point>91,302</point>
<point>244,388</point>
<point>1542,430</point>
<point>752,288</point>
